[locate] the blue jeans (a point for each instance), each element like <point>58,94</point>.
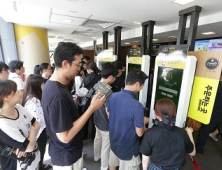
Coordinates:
<point>154,167</point>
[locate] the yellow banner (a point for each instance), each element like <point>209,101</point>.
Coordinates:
<point>135,60</point>
<point>23,31</point>
<point>106,59</point>
<point>173,64</point>
<point>202,99</point>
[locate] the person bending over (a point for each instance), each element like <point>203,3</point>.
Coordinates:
<point>164,146</point>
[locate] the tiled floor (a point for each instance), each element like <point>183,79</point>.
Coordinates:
<point>211,160</point>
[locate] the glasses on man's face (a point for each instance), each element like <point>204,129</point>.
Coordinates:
<point>77,65</point>
<point>5,70</point>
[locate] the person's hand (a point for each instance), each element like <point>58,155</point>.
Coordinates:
<point>19,153</point>
<point>189,129</point>
<point>146,120</point>
<point>97,102</point>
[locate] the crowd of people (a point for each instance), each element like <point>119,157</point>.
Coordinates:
<point>47,108</point>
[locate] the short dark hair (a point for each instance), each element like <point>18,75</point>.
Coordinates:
<point>36,70</point>
<point>118,64</point>
<point>6,88</point>
<point>92,66</point>
<point>136,76</point>
<point>15,64</point>
<point>86,58</point>
<point>66,51</point>
<point>3,66</point>
<point>108,69</point>
<point>33,88</point>
<point>43,66</point>
<point>166,107</point>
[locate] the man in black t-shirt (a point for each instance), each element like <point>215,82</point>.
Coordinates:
<point>63,123</point>
<point>119,83</point>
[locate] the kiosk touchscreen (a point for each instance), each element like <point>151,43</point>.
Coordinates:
<point>135,61</point>
<point>173,79</point>
<point>104,57</point>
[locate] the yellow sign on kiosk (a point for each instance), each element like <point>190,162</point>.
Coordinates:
<point>205,85</point>
<point>172,64</point>
<point>201,105</point>
<point>134,60</point>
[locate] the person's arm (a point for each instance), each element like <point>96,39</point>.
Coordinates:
<point>67,136</point>
<point>32,136</point>
<point>140,131</point>
<point>107,112</point>
<point>36,125</point>
<point>189,131</point>
<point>145,162</point>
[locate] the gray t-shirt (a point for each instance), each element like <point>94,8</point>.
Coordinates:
<point>101,119</point>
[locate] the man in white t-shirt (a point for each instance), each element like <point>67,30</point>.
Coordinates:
<point>16,69</point>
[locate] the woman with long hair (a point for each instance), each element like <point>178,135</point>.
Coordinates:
<point>18,128</point>
<point>32,102</point>
<point>164,146</point>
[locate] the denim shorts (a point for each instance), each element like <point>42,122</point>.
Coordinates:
<point>154,167</point>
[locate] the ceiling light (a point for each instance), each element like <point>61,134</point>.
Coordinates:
<point>182,2</point>
<point>88,29</point>
<point>106,25</point>
<point>208,33</point>
<point>80,42</point>
<point>137,23</point>
<point>136,41</point>
<point>67,20</point>
<point>94,37</point>
<point>173,37</point>
<point>127,43</point>
<point>155,39</point>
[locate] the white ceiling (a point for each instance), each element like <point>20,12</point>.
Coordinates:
<point>49,14</point>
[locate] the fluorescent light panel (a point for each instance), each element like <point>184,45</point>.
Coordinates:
<point>137,23</point>
<point>182,2</point>
<point>67,20</point>
<point>155,39</point>
<point>208,33</point>
<point>127,43</point>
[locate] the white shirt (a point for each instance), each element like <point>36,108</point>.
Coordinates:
<point>18,80</point>
<point>78,82</point>
<point>34,107</point>
<point>18,129</point>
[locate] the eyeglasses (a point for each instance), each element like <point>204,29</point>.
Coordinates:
<point>77,65</point>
